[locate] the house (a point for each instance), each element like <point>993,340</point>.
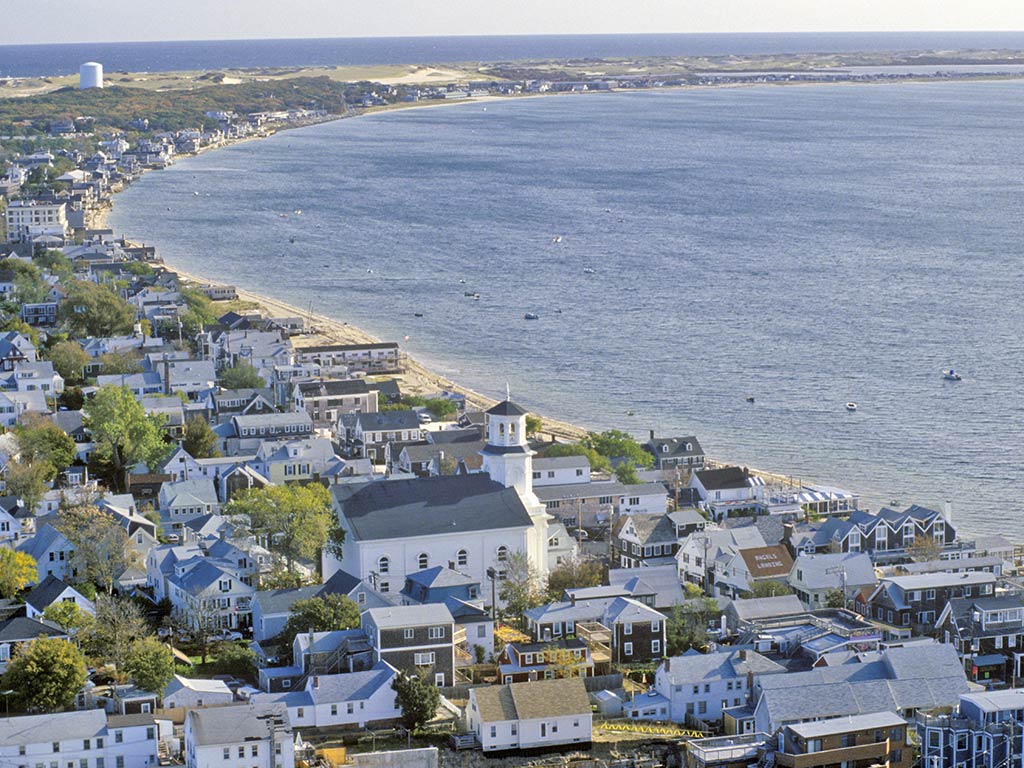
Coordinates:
<point>591,504</point>
<point>914,603</point>
<point>738,573</point>
<point>561,470</point>
<point>431,459</point>
<point>16,630</point>
<point>635,632</point>
<point>414,639</point>
<point>228,403</point>
<point>884,535</point>
<point>252,428</point>
<point>704,686</point>
<point>29,377</point>
<point>380,357</point>
<point>437,584</point>
<point>52,590</point>
<point>14,405</point>
<point>728,490</point>
<point>699,555</point>
<point>543,714</point>
<point>982,731</point>
<point>204,594</point>
<point>645,540</point>
<point>875,738</point>
<point>243,736</point>
<point>673,452</point>
<point>15,348</point>
<point>657,586</point>
<point>814,577</point>
<point>365,435</point>
<point>564,657</point>
<point>304,459</point>
<point>987,632</point>
<point>327,399</point>
<point>186,500</point>
<point>89,737</point>
<point>193,693</point>
<point>742,613</point>
<point>52,552</point>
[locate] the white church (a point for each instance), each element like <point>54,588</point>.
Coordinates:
<point>469,522</point>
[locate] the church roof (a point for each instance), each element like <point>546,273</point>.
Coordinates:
<point>507,408</point>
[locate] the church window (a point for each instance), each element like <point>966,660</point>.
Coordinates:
<point>462,558</point>
<point>512,428</point>
<point>502,553</point>
<point>384,565</point>
<point>501,429</point>
<point>423,561</point>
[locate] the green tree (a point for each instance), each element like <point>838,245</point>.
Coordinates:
<point>598,463</point>
<point>616,444</point>
<point>417,697</point>
<point>124,435</point>
<point>150,665</point>
<point>120,363</point>
<point>324,613</point>
<point>70,617</point>
<point>29,284</point>
<point>296,519</point>
<point>200,440</point>
<point>242,376</point>
<point>575,573</point>
<point>55,262</point>
<point>102,548</point>
<point>835,599</point>
<point>520,590</point>
<point>28,481</point>
<point>236,659</point>
<point>687,625</point>
<point>46,674</point>
<point>96,310</point>
<point>17,571</point>
<point>119,624</point>
<point>41,440</point>
<point>625,473</point>
<point>768,588</point>
<point>533,424</point>
<point>69,360</point>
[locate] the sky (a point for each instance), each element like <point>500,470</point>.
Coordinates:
<point>66,21</point>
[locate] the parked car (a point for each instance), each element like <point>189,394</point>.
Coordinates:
<point>227,634</point>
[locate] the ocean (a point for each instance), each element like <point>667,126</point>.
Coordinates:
<point>805,246</point>
<point>43,60</point>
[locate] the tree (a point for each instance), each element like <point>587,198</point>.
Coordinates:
<point>235,659</point>
<point>150,665</point>
<point>120,363</point>
<point>41,440</point>
<point>598,463</point>
<point>417,697</point>
<point>324,613</point>
<point>46,673</point>
<point>617,444</point>
<point>29,284</point>
<point>687,625</point>
<point>242,376</point>
<point>924,549</point>
<point>533,424</point>
<point>768,588</point>
<point>17,571</point>
<point>102,548</point>
<point>28,481</point>
<point>124,435</point>
<point>625,473</point>
<point>69,360</point>
<point>574,574</point>
<point>119,624</point>
<point>296,519</point>
<point>70,617</point>
<point>96,310</point>
<point>200,440</point>
<point>835,598</point>
<point>520,590</point>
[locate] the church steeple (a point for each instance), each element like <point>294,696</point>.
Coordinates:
<point>507,456</point>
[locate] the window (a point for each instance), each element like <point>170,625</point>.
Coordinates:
<point>627,629</point>
<point>462,558</point>
<point>56,746</point>
<point>424,659</point>
<point>515,729</point>
<point>227,753</point>
<point>813,745</point>
<point>481,630</point>
<point>408,633</point>
<point>384,565</point>
<point>436,633</point>
<point>86,744</point>
<point>604,500</point>
<point>423,561</point>
<point>334,709</point>
<point>241,751</point>
<point>702,707</point>
<point>502,553</point>
<point>634,501</point>
<point>300,712</point>
<point>655,626</point>
<point>536,475</point>
<point>254,750</point>
<point>494,731</point>
<point>655,647</point>
<point>627,649</point>
<point>119,761</point>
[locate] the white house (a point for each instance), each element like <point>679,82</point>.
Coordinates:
<point>728,489</point>
<point>52,590</point>
<point>561,470</point>
<point>813,577</point>
<point>187,692</point>
<point>532,715</point>
<point>187,499</point>
<point>52,552</point>
<point>87,738</point>
<point>205,594</point>
<point>244,736</point>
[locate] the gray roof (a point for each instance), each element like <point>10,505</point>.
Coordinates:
<point>398,616</point>
<point>41,729</point>
<point>45,592</point>
<point>848,724</point>
<point>440,576</point>
<point>386,421</point>
<point>507,408</point>
<point>429,506</point>
<point>674,447</point>
<point>230,725</point>
<point>561,462</point>
<point>354,686</point>
<point>19,628</point>
<point>936,580</point>
<point>45,537</point>
<point>333,387</point>
<point>822,571</point>
<point>767,607</point>
<point>662,579</point>
<point>533,700</point>
<point>273,419</point>
<point>596,490</point>
<point>725,664</point>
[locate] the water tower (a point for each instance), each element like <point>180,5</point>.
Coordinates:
<point>90,75</point>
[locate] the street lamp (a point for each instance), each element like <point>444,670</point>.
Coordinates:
<point>7,699</point>
<point>493,575</point>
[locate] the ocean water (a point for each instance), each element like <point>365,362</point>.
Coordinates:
<point>42,60</point>
<point>806,246</point>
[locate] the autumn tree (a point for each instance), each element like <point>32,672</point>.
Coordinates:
<point>46,673</point>
<point>625,473</point>
<point>520,590</point>
<point>122,431</point>
<point>200,440</point>
<point>575,573</point>
<point>324,613</point>
<point>119,624</point>
<point>69,360</point>
<point>296,519</point>
<point>17,571</point>
<point>150,664</point>
<point>102,548</point>
<point>417,697</point>
<point>40,439</point>
<point>119,363</point>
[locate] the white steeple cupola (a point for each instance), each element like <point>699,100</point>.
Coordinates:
<point>507,456</point>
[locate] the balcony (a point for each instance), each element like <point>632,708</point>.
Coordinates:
<point>877,752</point>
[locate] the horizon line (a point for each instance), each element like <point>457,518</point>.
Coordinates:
<point>530,34</point>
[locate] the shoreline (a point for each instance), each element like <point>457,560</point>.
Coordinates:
<point>418,377</point>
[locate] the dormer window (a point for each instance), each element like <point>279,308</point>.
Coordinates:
<point>664,448</point>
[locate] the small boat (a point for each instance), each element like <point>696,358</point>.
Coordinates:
<point>589,271</point>
<point>291,239</point>
<point>417,314</point>
<point>951,375</point>
<point>196,194</point>
<point>750,399</point>
<point>556,239</point>
<point>631,413</point>
<point>298,211</point>
<point>851,406</point>
<point>462,282</point>
<point>531,316</point>
<point>369,271</point>
<point>472,294</point>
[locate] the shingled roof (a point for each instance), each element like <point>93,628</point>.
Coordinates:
<point>533,700</point>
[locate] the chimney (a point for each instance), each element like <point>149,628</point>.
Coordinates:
<point>947,511</point>
<point>652,435</point>
<point>316,681</point>
<point>167,375</point>
<point>451,565</point>
<point>668,663</point>
<point>787,532</point>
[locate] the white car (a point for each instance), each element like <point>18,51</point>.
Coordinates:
<point>227,634</point>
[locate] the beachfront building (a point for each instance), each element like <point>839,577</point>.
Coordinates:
<point>29,219</point>
<point>984,731</point>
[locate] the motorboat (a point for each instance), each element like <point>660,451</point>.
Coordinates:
<point>851,406</point>
<point>951,375</point>
<point>556,239</point>
<point>750,399</point>
<point>531,316</point>
<point>589,271</point>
